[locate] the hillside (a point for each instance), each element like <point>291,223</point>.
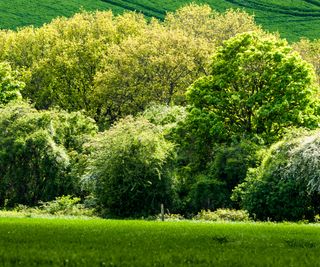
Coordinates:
<point>293,19</point>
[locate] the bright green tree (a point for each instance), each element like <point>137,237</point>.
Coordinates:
<point>202,22</point>
<point>257,87</point>
<point>10,86</point>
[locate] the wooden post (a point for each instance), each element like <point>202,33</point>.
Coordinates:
<point>162,212</point>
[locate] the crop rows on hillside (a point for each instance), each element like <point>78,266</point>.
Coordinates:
<point>293,19</point>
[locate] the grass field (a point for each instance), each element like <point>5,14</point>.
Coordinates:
<point>293,19</point>
<point>97,242</point>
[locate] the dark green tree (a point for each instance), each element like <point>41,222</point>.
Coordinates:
<point>39,153</point>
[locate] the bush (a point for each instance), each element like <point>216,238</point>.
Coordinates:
<point>287,184</point>
<point>208,193</point>
<point>39,153</point>
<point>129,169</point>
<point>64,205</point>
<point>223,215</point>
<point>170,217</point>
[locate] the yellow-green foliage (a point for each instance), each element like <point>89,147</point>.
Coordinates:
<point>223,215</point>
<point>111,66</point>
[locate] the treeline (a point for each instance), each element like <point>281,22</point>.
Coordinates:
<point>200,111</point>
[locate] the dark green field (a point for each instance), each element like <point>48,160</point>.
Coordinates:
<point>293,19</point>
<point>97,242</point>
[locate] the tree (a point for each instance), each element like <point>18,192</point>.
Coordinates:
<point>70,53</point>
<point>310,51</point>
<point>60,60</point>
<point>129,169</point>
<point>155,66</point>
<point>10,86</point>
<point>257,87</point>
<point>40,153</point>
<point>202,22</point>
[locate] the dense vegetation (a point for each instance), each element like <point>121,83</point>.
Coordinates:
<point>127,113</point>
<point>24,241</point>
<point>293,19</point>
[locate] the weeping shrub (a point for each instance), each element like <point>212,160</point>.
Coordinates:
<point>287,184</point>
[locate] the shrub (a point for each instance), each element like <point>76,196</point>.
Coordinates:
<point>129,169</point>
<point>223,215</point>
<point>65,205</point>
<point>170,217</point>
<point>287,184</point>
<point>208,193</point>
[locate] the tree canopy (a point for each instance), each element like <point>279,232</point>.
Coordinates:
<point>257,87</point>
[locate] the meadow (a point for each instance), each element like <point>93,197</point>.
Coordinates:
<point>293,19</point>
<point>99,242</point>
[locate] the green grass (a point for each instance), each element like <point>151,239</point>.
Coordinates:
<point>97,242</point>
<point>293,19</point>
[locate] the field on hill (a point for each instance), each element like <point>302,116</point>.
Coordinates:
<point>293,19</point>
<point>97,242</point>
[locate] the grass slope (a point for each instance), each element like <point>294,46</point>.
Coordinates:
<point>97,242</point>
<point>293,19</point>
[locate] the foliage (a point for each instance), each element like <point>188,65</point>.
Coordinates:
<point>165,117</point>
<point>223,215</point>
<point>230,163</point>
<point>317,218</point>
<point>60,206</point>
<point>10,86</point>
<point>78,63</point>
<point>129,168</point>
<point>203,22</point>
<point>310,51</point>
<point>39,153</point>
<point>171,217</point>
<point>159,65</point>
<point>286,185</point>
<point>256,88</point>
<point>65,205</point>
<point>207,193</point>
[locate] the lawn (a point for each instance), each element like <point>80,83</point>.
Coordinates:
<point>98,242</point>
